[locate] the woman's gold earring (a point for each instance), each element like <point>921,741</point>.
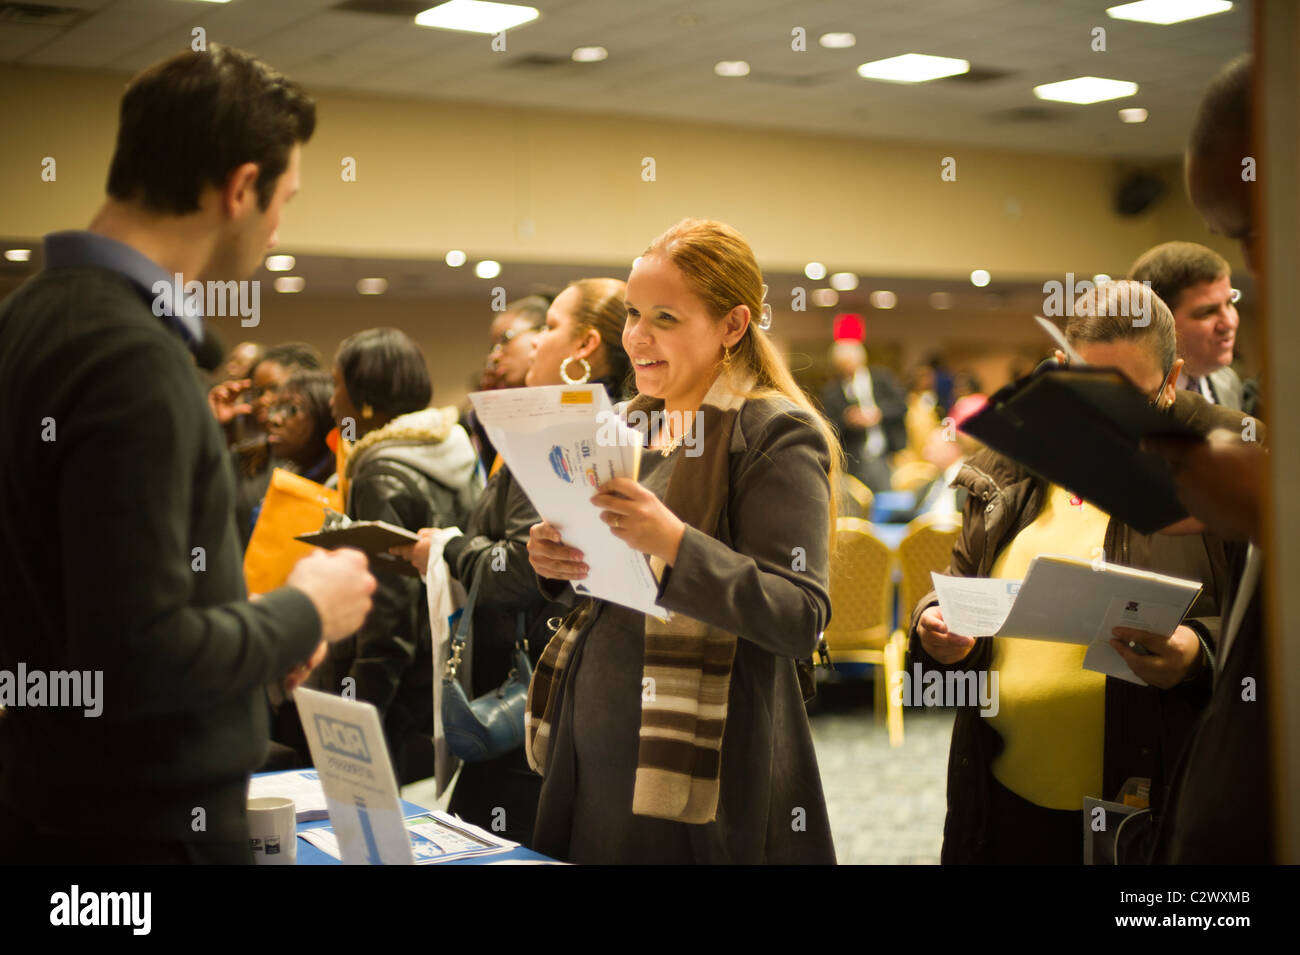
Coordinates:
<point>726,357</point>
<point>367,411</point>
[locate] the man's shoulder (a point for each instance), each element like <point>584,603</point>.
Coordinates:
<point>60,307</point>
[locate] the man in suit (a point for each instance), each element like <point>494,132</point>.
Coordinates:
<point>1220,807</point>
<point>868,410</point>
<point>120,568</point>
<point>1196,284</point>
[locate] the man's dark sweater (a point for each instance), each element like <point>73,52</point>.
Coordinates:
<point>118,553</point>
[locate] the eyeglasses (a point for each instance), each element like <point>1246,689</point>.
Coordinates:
<point>510,335</point>
<point>286,409</point>
<point>1155,401</point>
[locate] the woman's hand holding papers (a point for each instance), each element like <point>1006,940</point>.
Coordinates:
<point>1168,661</point>
<point>551,557</point>
<point>640,519</point>
<point>944,646</point>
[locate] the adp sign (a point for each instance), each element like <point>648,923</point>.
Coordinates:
<point>346,739</point>
<point>348,751</point>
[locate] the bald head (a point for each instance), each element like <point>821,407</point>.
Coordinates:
<point>1219,181</point>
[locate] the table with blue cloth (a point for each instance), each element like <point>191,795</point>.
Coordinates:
<point>308,854</point>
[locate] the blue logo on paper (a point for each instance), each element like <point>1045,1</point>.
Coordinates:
<point>346,739</point>
<point>560,466</point>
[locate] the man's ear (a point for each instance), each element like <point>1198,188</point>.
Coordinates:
<point>240,192</point>
<point>1171,385</point>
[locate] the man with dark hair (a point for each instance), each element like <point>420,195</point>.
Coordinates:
<point>119,562</point>
<point>1196,284</point>
<point>1220,806</point>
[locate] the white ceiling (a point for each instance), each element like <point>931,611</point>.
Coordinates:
<point>661,57</point>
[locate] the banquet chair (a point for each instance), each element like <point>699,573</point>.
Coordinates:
<point>861,610</point>
<point>913,475</point>
<point>855,497</point>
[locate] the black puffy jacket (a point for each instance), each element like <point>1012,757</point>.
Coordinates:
<point>416,471</point>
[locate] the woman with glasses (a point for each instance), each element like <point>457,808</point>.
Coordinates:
<point>297,425</point>
<point>1017,779</point>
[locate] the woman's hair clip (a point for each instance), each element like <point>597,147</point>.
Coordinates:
<point>766,321</point>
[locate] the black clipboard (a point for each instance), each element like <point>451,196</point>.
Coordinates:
<point>1081,428</point>
<point>372,537</point>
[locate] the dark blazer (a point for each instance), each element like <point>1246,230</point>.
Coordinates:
<point>118,554</point>
<point>889,398</point>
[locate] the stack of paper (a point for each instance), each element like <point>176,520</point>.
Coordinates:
<point>561,442</point>
<point>301,785</point>
<point>435,837</point>
<point>1068,601</point>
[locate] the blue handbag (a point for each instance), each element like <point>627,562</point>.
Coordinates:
<point>493,724</point>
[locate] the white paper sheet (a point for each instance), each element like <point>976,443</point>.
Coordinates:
<point>1065,600</point>
<point>301,785</point>
<point>435,837</point>
<point>561,442</point>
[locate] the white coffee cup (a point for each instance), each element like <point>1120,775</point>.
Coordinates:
<point>272,830</point>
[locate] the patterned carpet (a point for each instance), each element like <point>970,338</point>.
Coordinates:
<point>886,805</point>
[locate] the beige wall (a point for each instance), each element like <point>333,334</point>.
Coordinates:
<point>435,175</point>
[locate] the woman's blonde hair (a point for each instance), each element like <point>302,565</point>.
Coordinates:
<point>720,268</point>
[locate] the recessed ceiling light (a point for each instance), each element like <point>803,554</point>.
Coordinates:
<point>913,68</point>
<point>1133,114</point>
<point>589,54</point>
<point>844,281</point>
<point>731,68</point>
<point>375,286</point>
<point>456,258</point>
<point>1101,278</point>
<point>940,300</point>
<point>280,263</point>
<point>290,283</point>
<point>488,269</point>
<point>980,278</point>
<point>1165,12</point>
<point>825,297</point>
<point>18,255</point>
<point>815,271</point>
<point>837,41</point>
<point>1085,89</point>
<point>476,16</point>
<point>883,298</point>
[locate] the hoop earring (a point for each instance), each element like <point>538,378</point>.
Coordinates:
<point>586,371</point>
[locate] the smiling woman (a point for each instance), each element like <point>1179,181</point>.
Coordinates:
<point>686,739</point>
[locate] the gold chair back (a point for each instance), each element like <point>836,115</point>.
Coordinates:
<point>926,546</point>
<point>861,588</point>
<point>855,498</point>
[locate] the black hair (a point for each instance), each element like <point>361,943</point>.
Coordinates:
<point>314,388</point>
<point>291,356</point>
<point>191,120</point>
<point>384,369</point>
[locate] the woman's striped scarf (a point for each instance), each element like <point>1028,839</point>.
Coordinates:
<point>687,663</point>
